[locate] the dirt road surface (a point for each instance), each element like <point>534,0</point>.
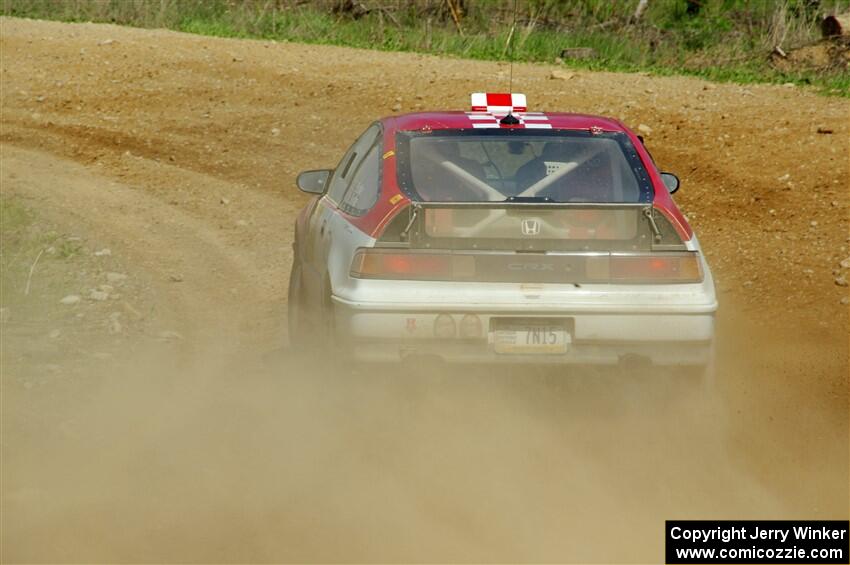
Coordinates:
<point>146,423</point>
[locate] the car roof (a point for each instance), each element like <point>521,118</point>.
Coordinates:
<point>467,120</point>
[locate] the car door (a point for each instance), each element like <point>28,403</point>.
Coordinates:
<point>320,228</point>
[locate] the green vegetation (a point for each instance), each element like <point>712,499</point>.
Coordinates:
<point>725,40</point>
<point>17,248</point>
<point>36,263</point>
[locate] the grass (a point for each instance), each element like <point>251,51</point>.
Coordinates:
<point>17,247</point>
<point>13,216</point>
<point>726,40</point>
<point>23,240</point>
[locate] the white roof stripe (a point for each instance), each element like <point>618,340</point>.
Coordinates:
<point>491,118</point>
<point>479,99</point>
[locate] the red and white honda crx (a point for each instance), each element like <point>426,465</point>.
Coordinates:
<point>500,234</point>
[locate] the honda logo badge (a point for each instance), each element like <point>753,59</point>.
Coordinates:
<point>530,227</point>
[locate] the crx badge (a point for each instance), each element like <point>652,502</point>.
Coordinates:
<point>530,227</point>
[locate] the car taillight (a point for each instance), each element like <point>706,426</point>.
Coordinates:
<point>671,267</point>
<point>392,264</point>
<point>593,267</point>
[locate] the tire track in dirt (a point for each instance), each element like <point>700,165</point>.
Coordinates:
<point>220,293</point>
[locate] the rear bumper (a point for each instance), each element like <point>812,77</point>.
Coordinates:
<point>662,335</point>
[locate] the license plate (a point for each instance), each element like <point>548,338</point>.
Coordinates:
<point>531,339</point>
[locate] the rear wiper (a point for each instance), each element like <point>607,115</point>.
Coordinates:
<point>521,199</point>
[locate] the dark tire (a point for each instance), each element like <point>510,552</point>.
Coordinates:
<point>296,312</point>
<point>311,329</point>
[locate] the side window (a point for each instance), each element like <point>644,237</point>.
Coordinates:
<point>365,184</point>
<point>350,162</point>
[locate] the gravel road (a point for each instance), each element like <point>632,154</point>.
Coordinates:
<point>171,436</point>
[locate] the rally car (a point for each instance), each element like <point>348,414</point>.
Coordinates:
<point>499,234</point>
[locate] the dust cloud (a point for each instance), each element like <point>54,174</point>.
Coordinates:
<point>220,456</point>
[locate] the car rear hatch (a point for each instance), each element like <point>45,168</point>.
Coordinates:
<point>530,242</point>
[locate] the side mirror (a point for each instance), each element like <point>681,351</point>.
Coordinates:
<point>671,181</point>
<point>313,182</point>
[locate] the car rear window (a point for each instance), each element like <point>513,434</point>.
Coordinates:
<point>516,164</point>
